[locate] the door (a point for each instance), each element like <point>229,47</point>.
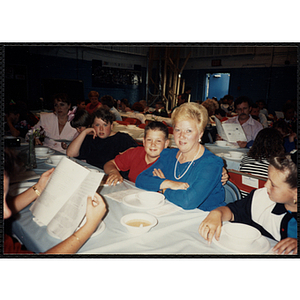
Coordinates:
<point>217,85</point>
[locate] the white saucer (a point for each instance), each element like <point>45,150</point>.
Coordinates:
<point>50,164</point>
<point>233,158</point>
<point>133,201</point>
<point>261,245</point>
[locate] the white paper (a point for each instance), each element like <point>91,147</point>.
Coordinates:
<point>66,178</point>
<point>234,132</point>
<point>220,129</point>
<point>66,221</point>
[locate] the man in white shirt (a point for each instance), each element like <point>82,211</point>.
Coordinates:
<point>251,127</point>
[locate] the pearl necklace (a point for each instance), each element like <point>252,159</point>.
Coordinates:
<point>187,167</point>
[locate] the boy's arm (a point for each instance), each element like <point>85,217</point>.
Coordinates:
<point>212,224</point>
<point>74,147</point>
<point>114,176</point>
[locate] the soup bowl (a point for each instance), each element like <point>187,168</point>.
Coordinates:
<point>41,150</point>
<point>221,143</point>
<point>138,223</point>
<point>239,236</point>
<point>54,159</point>
<point>150,199</point>
<point>235,154</point>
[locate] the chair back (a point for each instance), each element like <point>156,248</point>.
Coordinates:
<point>132,121</point>
<point>232,193</point>
<point>246,182</point>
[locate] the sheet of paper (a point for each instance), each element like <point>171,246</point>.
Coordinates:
<point>71,214</point>
<point>220,129</point>
<point>118,196</point>
<point>66,178</point>
<point>234,132</point>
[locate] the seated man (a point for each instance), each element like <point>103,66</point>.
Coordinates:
<point>250,126</point>
<point>136,160</point>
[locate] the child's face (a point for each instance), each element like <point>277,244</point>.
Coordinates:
<point>278,190</point>
<point>155,142</point>
<point>102,128</point>
<point>81,105</point>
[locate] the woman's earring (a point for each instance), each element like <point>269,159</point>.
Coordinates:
<point>199,140</point>
<point>295,201</point>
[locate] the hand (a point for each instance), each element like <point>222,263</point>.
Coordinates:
<point>90,131</point>
<point>37,141</point>
<point>64,145</point>
<point>225,176</point>
<point>242,144</point>
<point>95,210</point>
<point>292,137</point>
<point>44,179</point>
<point>286,246</point>
<point>174,185</point>
<point>158,173</point>
<point>211,225</point>
<point>114,177</point>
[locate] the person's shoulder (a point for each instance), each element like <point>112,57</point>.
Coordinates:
<point>211,157</point>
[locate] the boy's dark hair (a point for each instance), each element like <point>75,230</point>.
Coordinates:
<point>242,99</point>
<point>107,100</point>
<point>220,111</point>
<point>103,114</point>
<point>156,125</point>
<point>81,118</point>
<point>286,163</point>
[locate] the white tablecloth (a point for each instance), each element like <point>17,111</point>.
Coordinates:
<point>176,231</point>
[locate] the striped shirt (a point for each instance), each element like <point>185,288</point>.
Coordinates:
<point>254,167</point>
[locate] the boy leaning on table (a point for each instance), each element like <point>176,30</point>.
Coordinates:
<point>272,209</point>
<point>138,159</point>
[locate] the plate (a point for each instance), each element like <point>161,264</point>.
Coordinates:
<point>261,245</point>
<point>133,201</point>
<point>233,158</point>
<point>50,152</point>
<point>17,188</point>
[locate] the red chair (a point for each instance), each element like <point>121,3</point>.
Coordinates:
<point>246,182</point>
<point>169,127</point>
<point>132,121</point>
<point>142,126</point>
<point>122,122</point>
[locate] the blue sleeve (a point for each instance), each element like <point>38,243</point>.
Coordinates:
<point>146,180</point>
<point>249,144</point>
<point>205,188</point>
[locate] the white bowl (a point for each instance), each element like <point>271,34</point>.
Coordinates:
<point>235,154</point>
<point>239,236</point>
<point>55,159</point>
<point>40,150</point>
<point>138,223</point>
<point>150,199</point>
<point>221,143</point>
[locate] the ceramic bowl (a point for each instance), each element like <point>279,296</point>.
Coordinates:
<point>138,223</point>
<point>239,236</point>
<point>235,154</point>
<point>41,151</point>
<point>221,143</point>
<point>150,199</point>
<point>54,159</point>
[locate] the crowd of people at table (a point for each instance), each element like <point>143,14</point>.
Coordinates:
<point>190,176</point>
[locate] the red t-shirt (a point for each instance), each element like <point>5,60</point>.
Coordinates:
<point>133,160</point>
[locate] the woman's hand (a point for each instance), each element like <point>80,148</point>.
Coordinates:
<point>286,246</point>
<point>37,141</point>
<point>158,173</point>
<point>95,210</point>
<point>174,185</point>
<point>242,144</point>
<point>211,225</point>
<point>114,177</point>
<point>44,179</point>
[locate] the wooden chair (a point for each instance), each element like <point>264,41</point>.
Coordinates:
<point>246,182</point>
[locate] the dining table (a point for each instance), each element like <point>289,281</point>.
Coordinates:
<point>176,233</point>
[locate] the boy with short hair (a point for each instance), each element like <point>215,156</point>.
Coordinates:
<point>138,159</point>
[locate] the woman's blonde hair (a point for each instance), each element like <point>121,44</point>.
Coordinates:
<point>191,110</point>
